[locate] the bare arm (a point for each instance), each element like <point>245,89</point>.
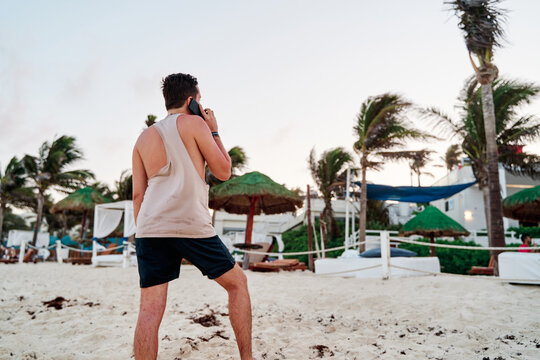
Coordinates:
<point>212,148</point>
<point>140,182</point>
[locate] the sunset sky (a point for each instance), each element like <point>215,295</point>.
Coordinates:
<point>282,76</point>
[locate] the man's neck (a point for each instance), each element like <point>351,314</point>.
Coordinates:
<point>182,110</point>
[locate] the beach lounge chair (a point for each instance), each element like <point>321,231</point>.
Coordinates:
<point>260,262</point>
<point>8,255</point>
<point>79,258</point>
<point>483,270</point>
<point>277,265</point>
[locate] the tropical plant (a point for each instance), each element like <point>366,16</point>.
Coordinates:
<point>104,190</point>
<point>481,24</point>
<point>512,130</point>
<point>239,161</point>
<point>12,222</point>
<point>12,187</point>
<point>48,171</point>
<point>451,157</point>
<point>150,120</point>
<point>329,173</point>
<point>381,126</point>
<point>124,186</point>
<point>418,160</point>
<point>58,223</point>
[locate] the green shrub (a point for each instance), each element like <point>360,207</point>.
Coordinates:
<point>534,231</point>
<point>454,261</point>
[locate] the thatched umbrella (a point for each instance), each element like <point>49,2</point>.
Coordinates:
<point>252,194</point>
<point>432,222</point>
<point>523,205</point>
<point>81,200</point>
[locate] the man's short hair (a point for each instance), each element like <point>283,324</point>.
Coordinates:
<point>177,88</point>
<point>524,236</point>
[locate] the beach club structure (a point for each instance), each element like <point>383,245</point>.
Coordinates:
<point>382,259</point>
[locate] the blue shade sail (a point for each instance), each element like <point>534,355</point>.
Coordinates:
<point>413,194</point>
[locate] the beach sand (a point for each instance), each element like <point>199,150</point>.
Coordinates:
<point>295,316</point>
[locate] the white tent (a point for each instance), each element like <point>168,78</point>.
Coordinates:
<point>108,216</point>
<point>16,237</point>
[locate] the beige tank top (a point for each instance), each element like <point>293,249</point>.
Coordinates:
<point>175,203</point>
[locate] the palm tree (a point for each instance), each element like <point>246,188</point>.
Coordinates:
<point>104,190</point>
<point>418,160</point>
<point>480,21</point>
<point>13,222</point>
<point>329,173</point>
<point>12,183</point>
<point>124,186</point>
<point>381,126</point>
<point>239,161</point>
<point>451,157</point>
<point>512,130</point>
<point>47,171</point>
<point>150,120</point>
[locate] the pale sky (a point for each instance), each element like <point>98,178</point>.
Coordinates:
<point>282,76</point>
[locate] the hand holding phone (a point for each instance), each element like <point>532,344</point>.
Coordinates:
<point>208,116</point>
<point>195,108</point>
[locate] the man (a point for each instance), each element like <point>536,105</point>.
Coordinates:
<point>526,240</point>
<point>170,203</point>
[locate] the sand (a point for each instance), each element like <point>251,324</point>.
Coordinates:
<point>295,316</point>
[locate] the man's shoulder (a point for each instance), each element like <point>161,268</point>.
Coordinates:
<point>192,123</point>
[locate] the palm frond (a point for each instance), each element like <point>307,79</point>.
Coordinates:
<point>481,23</point>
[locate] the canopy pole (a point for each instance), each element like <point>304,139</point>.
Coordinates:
<point>385,254</point>
<point>347,199</point>
<point>310,230</point>
<point>83,225</point>
<point>249,227</point>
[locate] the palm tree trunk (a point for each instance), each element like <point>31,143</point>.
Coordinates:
<point>485,193</point>
<point>328,216</point>
<point>495,202</point>
<point>363,210</point>
<point>418,174</point>
<point>3,207</point>
<point>39,213</point>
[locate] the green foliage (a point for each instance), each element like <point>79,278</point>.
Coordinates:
<point>13,222</point>
<point>297,240</point>
<point>329,172</point>
<point>533,231</point>
<point>452,260</point>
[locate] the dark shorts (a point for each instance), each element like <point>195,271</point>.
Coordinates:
<point>159,259</point>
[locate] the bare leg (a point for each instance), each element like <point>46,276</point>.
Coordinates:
<point>235,282</point>
<point>153,301</point>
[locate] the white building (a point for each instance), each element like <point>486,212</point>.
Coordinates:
<point>467,206</point>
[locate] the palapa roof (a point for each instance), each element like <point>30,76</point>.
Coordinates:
<point>432,221</point>
<point>523,205</point>
<point>80,200</point>
<point>234,195</point>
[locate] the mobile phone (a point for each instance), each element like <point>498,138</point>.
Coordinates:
<point>194,108</point>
